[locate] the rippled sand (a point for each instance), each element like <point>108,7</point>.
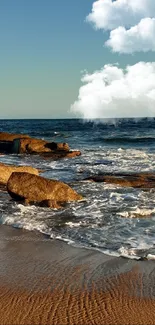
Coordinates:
<point>49,282</point>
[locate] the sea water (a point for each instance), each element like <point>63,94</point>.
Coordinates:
<point>105,220</point>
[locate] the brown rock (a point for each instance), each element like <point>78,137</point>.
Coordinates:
<point>57,146</point>
<point>38,146</point>
<point>24,186</point>
<point>45,203</point>
<point>4,136</point>
<point>72,154</point>
<point>6,141</point>
<point>141,180</point>
<point>23,144</point>
<point>29,145</point>
<point>7,170</point>
<point>61,154</point>
<point>51,204</point>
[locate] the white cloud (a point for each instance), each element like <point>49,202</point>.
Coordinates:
<point>138,38</point>
<point>108,14</point>
<point>131,22</point>
<point>114,92</point>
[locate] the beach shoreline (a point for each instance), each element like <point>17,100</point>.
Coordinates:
<point>46,281</point>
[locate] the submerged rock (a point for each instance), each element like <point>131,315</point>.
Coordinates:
<point>33,188</point>
<point>61,154</point>
<point>7,170</point>
<point>141,180</point>
<point>51,204</point>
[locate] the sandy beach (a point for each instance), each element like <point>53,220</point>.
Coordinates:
<point>46,281</point>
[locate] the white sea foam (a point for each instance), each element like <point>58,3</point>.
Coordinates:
<point>73,224</point>
<point>137,213</point>
<point>130,253</point>
<point>151,257</point>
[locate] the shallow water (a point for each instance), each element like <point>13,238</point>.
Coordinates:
<point>106,219</point>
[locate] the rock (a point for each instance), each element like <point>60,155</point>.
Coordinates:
<point>51,204</point>
<point>45,203</point>
<point>7,170</point>
<point>57,146</point>
<point>29,145</point>
<point>23,144</point>
<point>4,136</point>
<point>6,141</point>
<point>72,154</point>
<point>37,146</point>
<point>141,180</point>
<point>5,147</point>
<point>33,188</point>
<point>61,154</point>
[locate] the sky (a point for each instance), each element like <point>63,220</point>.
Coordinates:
<point>45,47</point>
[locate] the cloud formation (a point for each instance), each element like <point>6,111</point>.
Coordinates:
<point>130,22</point>
<point>136,39</point>
<point>114,93</point>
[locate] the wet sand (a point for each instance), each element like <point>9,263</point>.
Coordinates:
<point>45,281</point>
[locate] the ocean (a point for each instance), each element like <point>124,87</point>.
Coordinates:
<point>105,219</point>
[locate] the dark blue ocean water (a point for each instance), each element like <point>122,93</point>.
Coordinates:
<point>114,132</point>
<point>106,219</point>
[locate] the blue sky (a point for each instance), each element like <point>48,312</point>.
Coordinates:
<point>44,47</point>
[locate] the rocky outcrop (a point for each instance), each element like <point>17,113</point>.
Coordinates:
<point>29,146</point>
<point>32,188</point>
<point>37,146</point>
<point>23,144</point>
<point>4,136</point>
<point>141,180</point>
<point>7,170</point>
<point>6,141</point>
<point>57,146</point>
